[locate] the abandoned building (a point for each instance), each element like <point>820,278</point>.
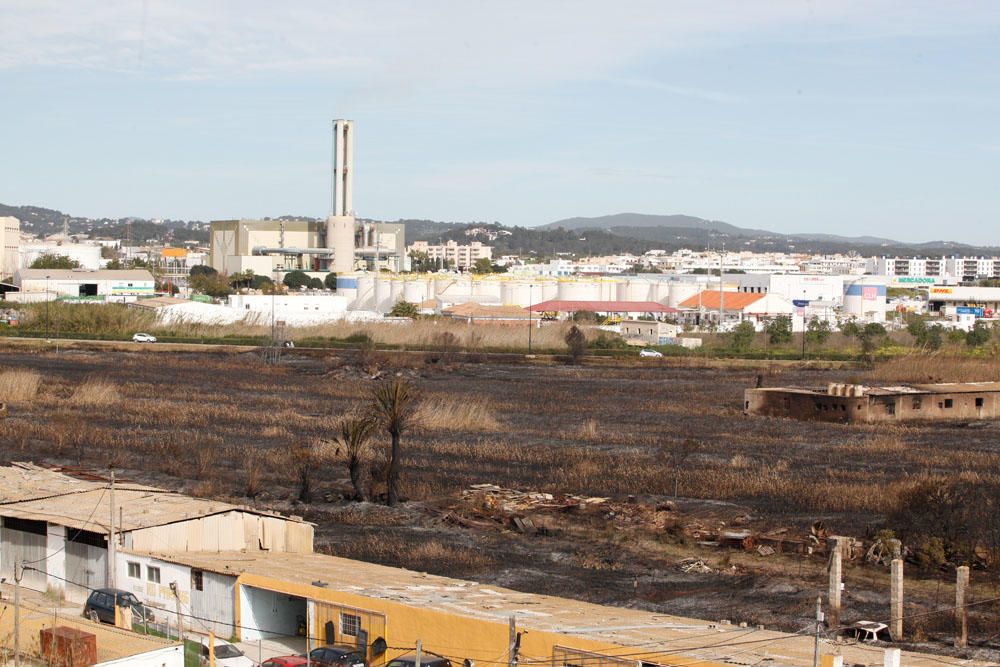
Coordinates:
<point>863,404</point>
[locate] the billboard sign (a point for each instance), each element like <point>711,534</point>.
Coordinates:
<point>969,310</point>
<point>800,303</point>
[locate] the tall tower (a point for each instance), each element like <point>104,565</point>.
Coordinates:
<point>340,224</point>
<point>343,166</point>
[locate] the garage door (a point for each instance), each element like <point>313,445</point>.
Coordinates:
<point>86,562</point>
<point>26,541</point>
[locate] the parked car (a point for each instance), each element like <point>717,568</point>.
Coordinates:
<point>285,661</point>
<point>143,338</point>
<point>226,655</point>
<point>100,606</point>
<point>650,353</point>
<point>337,656</point>
<point>426,660</point>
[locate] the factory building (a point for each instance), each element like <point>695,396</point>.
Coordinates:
<point>707,307</point>
<point>338,244</point>
<point>107,285</point>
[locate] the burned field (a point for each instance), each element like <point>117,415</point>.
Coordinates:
<point>585,462</point>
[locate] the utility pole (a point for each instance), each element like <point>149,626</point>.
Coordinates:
<point>18,571</point>
<point>529,317</point>
<point>112,547</point>
<point>513,643</point>
<point>819,625</point>
<point>177,606</point>
<point>419,655</point>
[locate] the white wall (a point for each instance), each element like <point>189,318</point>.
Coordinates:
<point>89,256</point>
<point>169,656</point>
<point>273,613</point>
<point>157,595</point>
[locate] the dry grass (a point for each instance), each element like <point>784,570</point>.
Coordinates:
<point>937,368</point>
<point>589,430</point>
<point>19,386</point>
<point>431,555</point>
<point>96,392</point>
<point>452,414</point>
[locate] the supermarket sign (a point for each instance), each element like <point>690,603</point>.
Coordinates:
<point>912,281</point>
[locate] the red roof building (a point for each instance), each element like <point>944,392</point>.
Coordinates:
<point>563,306</point>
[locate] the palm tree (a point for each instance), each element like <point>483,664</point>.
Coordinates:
<point>355,432</point>
<point>395,405</point>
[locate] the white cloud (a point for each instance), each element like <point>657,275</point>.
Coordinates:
<point>399,43</point>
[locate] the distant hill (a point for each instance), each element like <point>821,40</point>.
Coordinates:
<point>675,231</point>
<point>45,221</point>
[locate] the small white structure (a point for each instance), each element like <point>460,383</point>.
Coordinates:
<point>124,285</point>
<point>292,309</point>
<point>650,332</point>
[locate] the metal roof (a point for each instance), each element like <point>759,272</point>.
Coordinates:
<point>543,613</point>
<point>31,492</point>
<point>83,275</point>
<point>710,300</point>
<point>564,306</point>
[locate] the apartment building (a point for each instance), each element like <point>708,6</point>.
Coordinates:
<point>452,253</point>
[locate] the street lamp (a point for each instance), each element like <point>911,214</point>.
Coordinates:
<point>803,324</point>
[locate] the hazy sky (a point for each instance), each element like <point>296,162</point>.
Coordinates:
<point>868,117</point>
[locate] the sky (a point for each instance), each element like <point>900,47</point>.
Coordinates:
<point>870,117</point>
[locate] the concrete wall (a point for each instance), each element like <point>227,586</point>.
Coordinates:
<point>804,405</point>
<point>229,531</point>
<point>157,595</point>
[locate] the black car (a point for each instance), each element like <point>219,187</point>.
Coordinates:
<point>426,660</point>
<point>101,605</point>
<point>337,656</point>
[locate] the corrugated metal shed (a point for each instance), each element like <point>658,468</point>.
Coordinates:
<point>152,518</point>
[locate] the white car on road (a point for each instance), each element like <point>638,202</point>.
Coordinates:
<point>143,338</point>
<point>650,353</point>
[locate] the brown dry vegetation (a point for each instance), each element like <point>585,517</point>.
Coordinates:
<point>225,427</point>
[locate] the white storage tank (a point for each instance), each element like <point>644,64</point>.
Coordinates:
<point>681,291</point>
<point>865,300</point>
<point>366,292</point>
<point>383,302</point>
<point>415,291</point>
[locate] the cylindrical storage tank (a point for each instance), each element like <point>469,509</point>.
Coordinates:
<point>366,293</point>
<point>574,291</point>
<point>490,288</point>
<point>637,290</point>
<point>395,291</point>
<point>550,291</point>
<point>519,294</point>
<point>831,388</point>
<point>681,291</point>
<point>865,301</point>
<point>382,301</point>
<point>659,291</point>
<point>415,291</point>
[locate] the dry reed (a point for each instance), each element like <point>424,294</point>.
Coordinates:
<point>96,392</point>
<point>19,386</point>
<point>452,414</point>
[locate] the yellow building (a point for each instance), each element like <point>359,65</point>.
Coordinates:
<point>387,610</point>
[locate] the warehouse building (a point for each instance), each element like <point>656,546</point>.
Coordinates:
<point>106,285</point>
<point>60,525</point>
<point>849,403</point>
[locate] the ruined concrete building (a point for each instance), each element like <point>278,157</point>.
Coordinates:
<point>863,404</point>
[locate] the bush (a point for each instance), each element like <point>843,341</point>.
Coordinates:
<point>742,336</point>
<point>53,261</point>
<point>296,279</point>
<point>979,335</point>
<point>330,281</point>
<point>818,332</point>
<point>576,341</point>
<point>404,309</point>
<point>608,341</point>
<point>779,330</point>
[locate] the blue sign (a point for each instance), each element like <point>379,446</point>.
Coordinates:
<point>800,303</point>
<point>969,310</point>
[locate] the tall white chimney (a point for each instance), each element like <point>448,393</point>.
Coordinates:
<point>343,166</point>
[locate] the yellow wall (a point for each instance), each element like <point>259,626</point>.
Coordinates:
<point>450,634</point>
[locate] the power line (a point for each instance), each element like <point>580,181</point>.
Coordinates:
<point>68,540</point>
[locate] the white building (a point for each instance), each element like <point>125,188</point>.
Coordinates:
<point>453,254</point>
<point>61,524</point>
<point>10,241</point>
<point>123,285</point>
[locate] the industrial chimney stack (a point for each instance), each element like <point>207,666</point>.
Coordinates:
<point>340,224</point>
